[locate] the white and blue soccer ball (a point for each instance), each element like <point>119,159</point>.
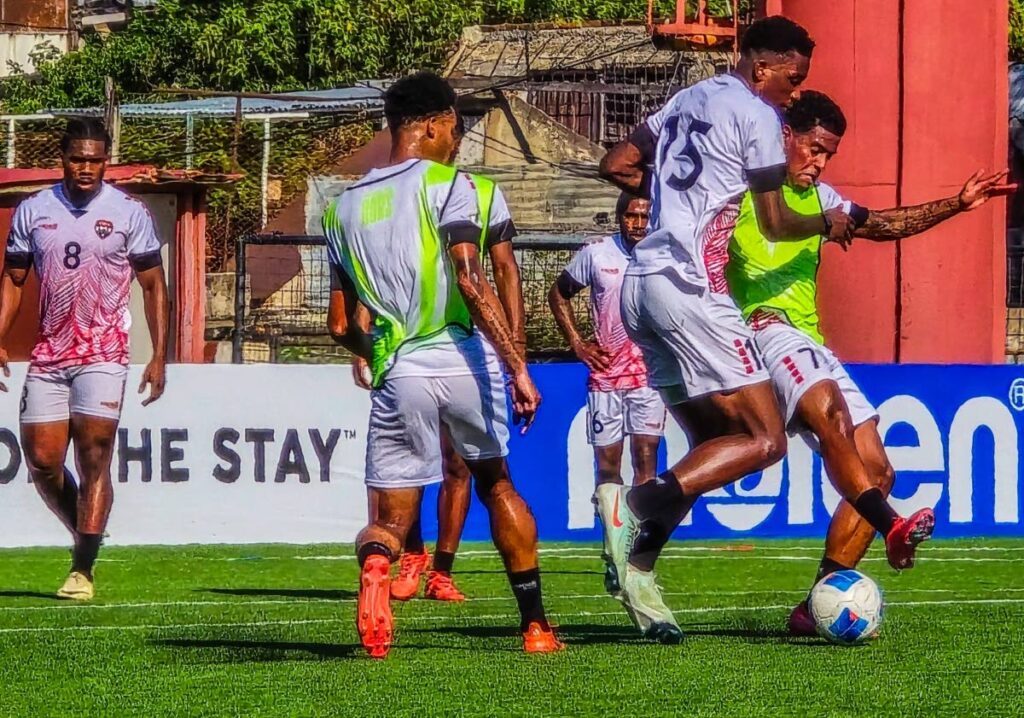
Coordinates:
<point>847,607</point>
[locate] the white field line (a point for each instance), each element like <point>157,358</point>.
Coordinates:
<point>471,618</point>
<point>724,556</point>
<point>73,606</point>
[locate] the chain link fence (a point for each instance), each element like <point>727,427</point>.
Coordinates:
<point>274,171</point>
<point>281,293</point>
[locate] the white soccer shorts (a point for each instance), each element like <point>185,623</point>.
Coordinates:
<point>89,389</point>
<point>694,342</point>
<point>403,448</point>
<point>613,414</point>
<point>796,363</point>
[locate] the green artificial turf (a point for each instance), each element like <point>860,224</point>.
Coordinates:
<point>269,631</point>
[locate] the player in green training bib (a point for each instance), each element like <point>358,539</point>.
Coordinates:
<point>775,286</point>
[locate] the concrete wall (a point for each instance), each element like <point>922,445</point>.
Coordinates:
<point>924,85</point>
<point>15,48</point>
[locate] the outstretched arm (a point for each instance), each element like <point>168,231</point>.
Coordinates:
<point>900,222</point>
<point>779,223</point>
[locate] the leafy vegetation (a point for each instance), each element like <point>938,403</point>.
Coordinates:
<point>272,45</point>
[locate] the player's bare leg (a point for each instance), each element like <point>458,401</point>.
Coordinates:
<point>377,546</point>
<point>412,563</point>
<point>748,437</point>
<point>46,447</point>
<point>452,507</point>
<point>643,449</point>
<point>514,532</point>
<point>755,439</point>
<point>823,410</point>
<point>849,534</point>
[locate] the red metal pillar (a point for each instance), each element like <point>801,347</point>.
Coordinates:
<point>924,86</point>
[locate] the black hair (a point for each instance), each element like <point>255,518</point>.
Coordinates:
<point>85,128</point>
<point>417,97</point>
<point>776,34</point>
<point>812,109</point>
<point>622,205</point>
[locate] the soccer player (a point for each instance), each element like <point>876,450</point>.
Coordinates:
<point>405,241</point>
<point>85,238</point>
<point>452,507</point>
<point>619,402</point>
<point>712,142</point>
<point>775,286</point>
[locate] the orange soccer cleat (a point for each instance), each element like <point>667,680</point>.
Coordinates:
<point>373,612</point>
<point>440,587</point>
<point>540,639</point>
<point>410,568</point>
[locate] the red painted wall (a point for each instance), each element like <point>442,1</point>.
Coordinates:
<point>940,66</point>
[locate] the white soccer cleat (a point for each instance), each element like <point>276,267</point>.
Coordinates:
<point>642,597</point>
<point>604,501</point>
<point>621,527</point>
<point>77,587</point>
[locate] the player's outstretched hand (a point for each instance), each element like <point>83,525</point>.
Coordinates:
<point>361,373</point>
<point>596,358</point>
<point>6,369</point>
<point>525,399</point>
<point>980,188</point>
<point>155,376</point>
<point>842,227</point>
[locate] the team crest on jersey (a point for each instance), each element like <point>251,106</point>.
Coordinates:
<point>103,228</point>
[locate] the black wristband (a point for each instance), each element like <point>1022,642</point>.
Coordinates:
<point>828,224</point>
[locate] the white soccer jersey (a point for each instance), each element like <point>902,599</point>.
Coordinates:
<point>601,265</point>
<point>375,230</point>
<point>84,257</point>
<point>711,136</point>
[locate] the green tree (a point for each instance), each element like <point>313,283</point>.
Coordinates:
<point>1017,30</point>
<point>272,45</point>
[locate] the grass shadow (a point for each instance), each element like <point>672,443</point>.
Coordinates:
<point>29,594</point>
<point>263,650</point>
<point>323,594</point>
<point>752,632</point>
<point>574,634</point>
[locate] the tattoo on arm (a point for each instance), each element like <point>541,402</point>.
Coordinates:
<point>901,222</point>
<point>510,290</point>
<point>484,306</point>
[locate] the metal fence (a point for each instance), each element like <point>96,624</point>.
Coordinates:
<point>282,290</point>
<point>275,156</point>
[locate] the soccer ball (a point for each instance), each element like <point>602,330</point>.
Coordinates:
<point>847,607</point>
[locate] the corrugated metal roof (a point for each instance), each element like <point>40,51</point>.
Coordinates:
<point>513,51</point>
<point>340,99</point>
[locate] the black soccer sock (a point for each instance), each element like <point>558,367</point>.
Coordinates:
<point>660,505</point>
<point>526,587</point>
<point>828,566</point>
<point>443,561</point>
<point>653,497</point>
<point>83,557</point>
<point>69,498</point>
<point>373,548</point>
<point>875,509</point>
<point>414,539</point>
